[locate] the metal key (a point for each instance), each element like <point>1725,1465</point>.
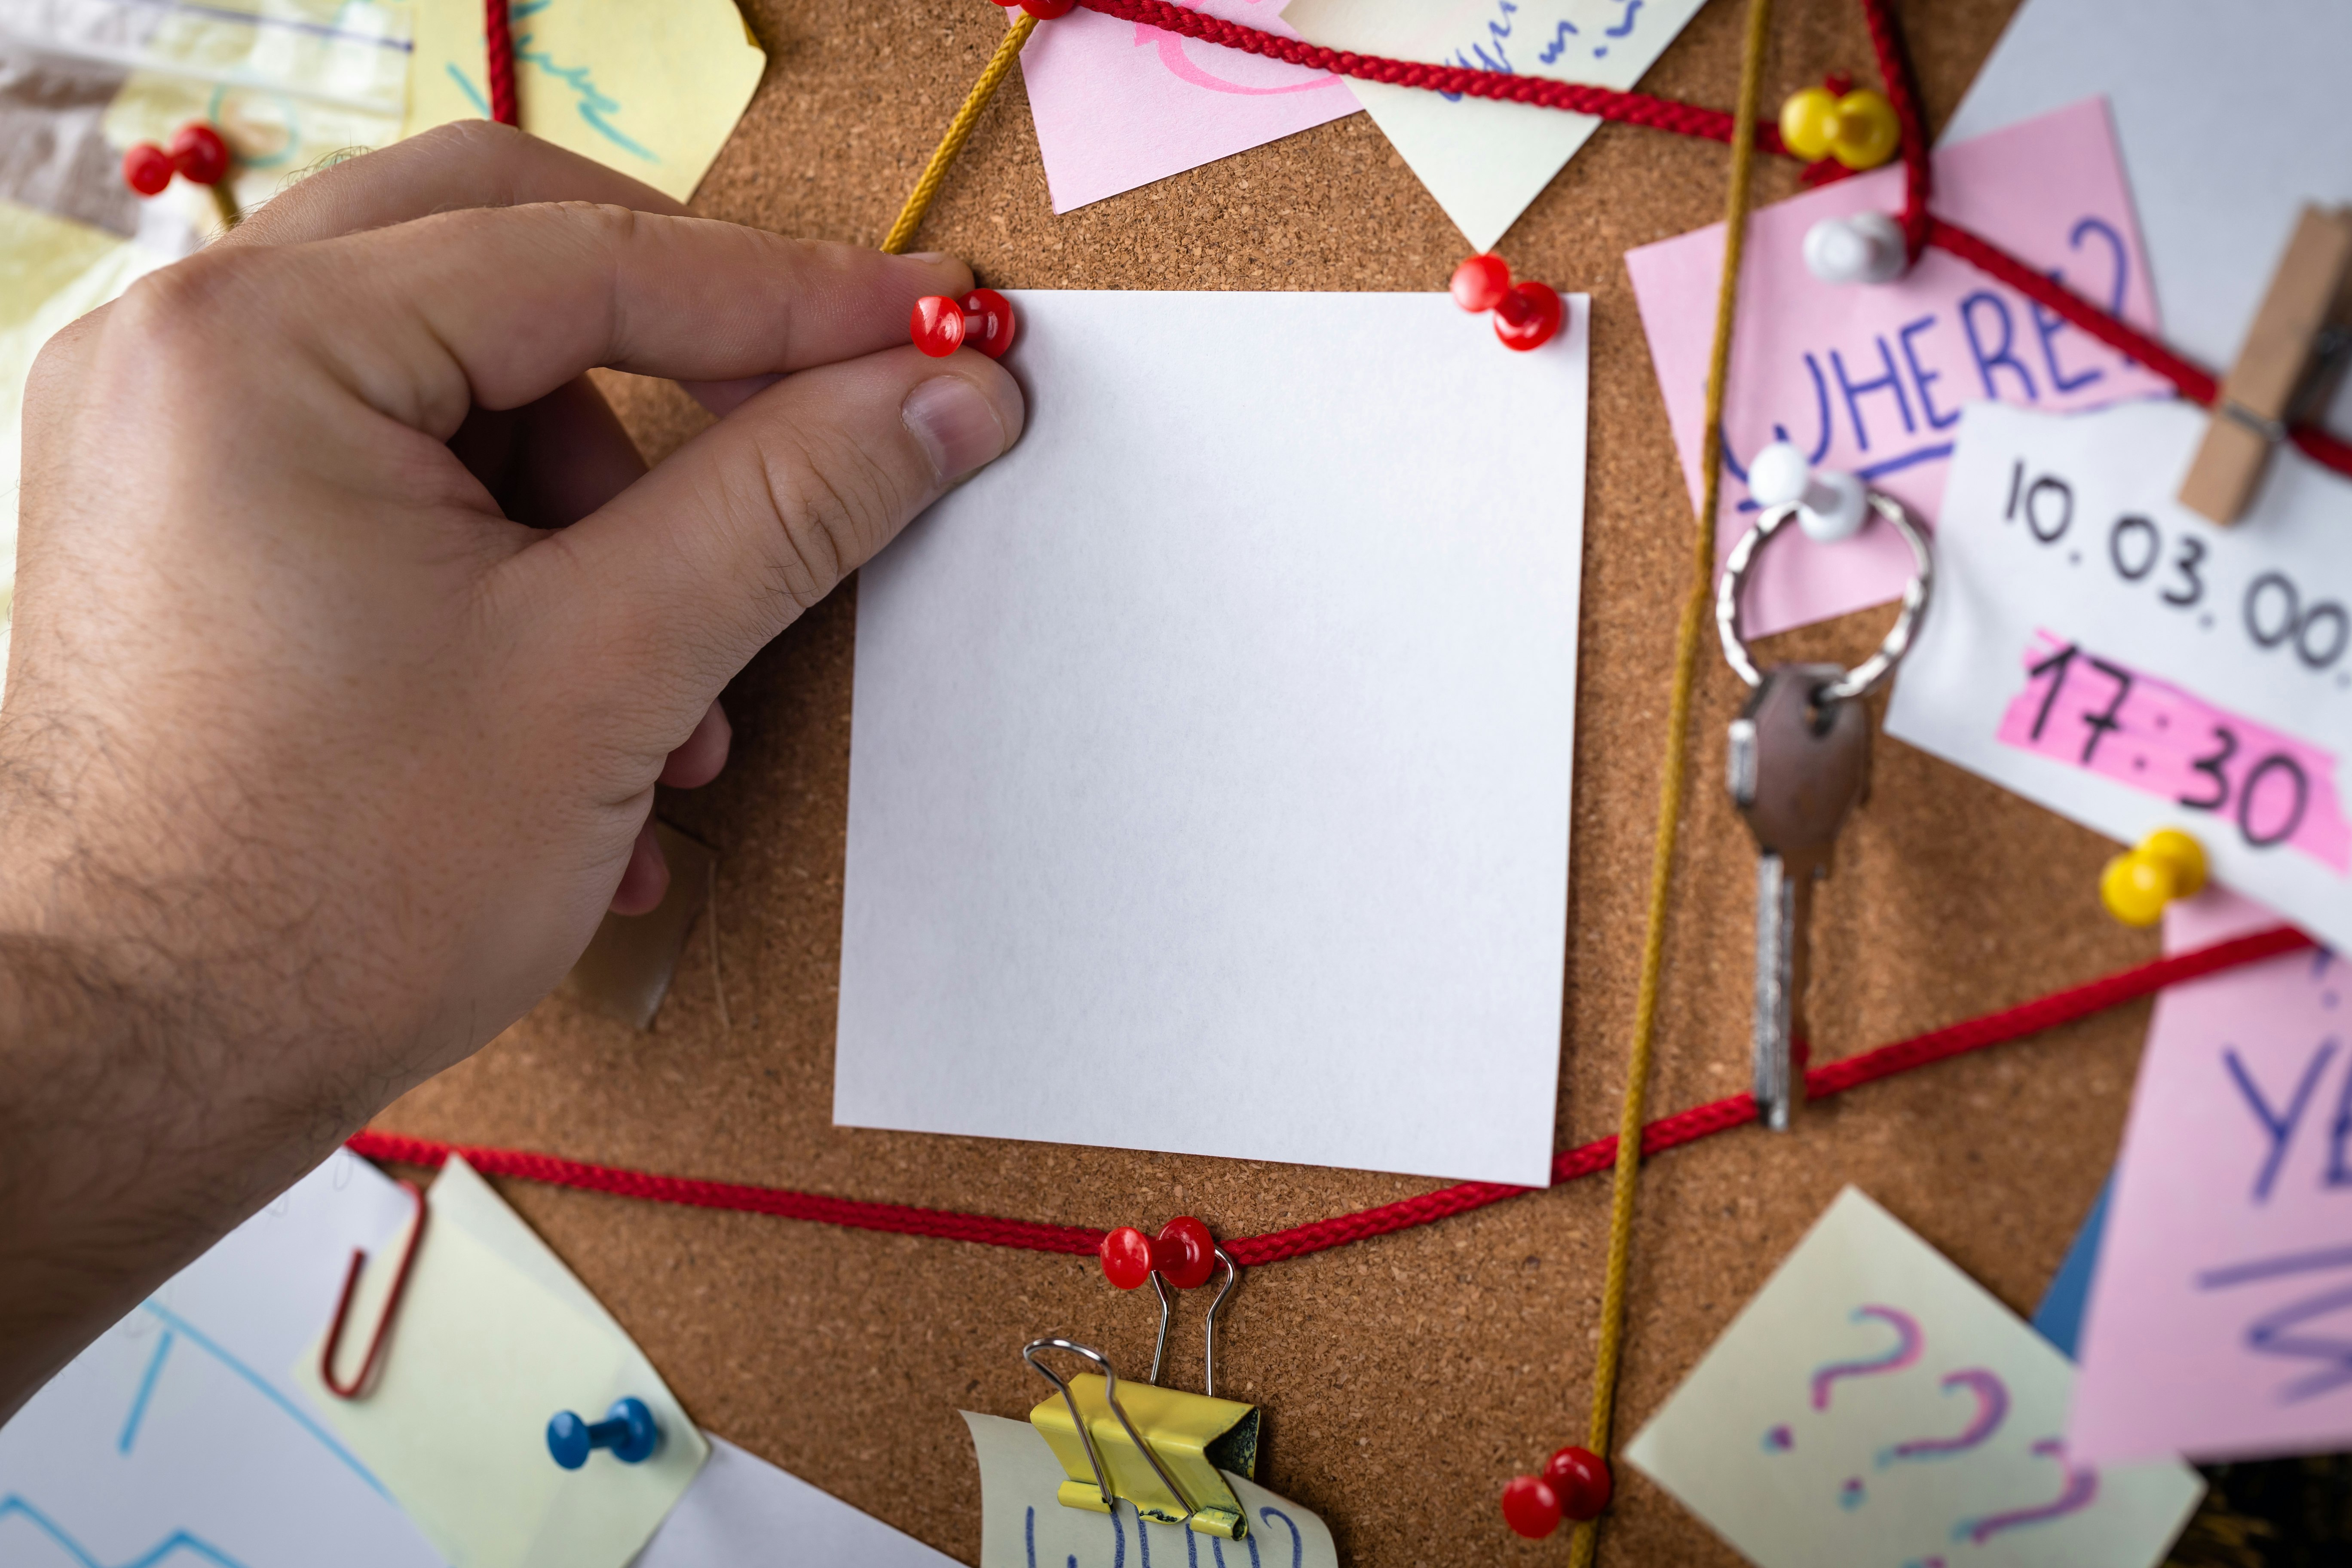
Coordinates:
<point>1799,764</point>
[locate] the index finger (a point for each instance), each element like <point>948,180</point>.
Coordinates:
<point>498,308</point>
<point>466,163</point>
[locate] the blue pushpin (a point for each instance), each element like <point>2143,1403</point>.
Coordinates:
<point>628,1429</point>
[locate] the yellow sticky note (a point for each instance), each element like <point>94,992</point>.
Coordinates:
<point>653,90</point>
<point>493,1336</point>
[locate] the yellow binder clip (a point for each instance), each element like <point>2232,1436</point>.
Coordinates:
<point>1159,1449</point>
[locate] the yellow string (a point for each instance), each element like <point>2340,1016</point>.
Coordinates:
<point>918,201</point>
<point>1670,791</point>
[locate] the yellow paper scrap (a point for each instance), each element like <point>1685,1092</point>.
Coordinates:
<point>493,1336</point>
<point>653,90</point>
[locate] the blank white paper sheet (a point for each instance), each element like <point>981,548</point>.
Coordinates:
<point>1211,750</point>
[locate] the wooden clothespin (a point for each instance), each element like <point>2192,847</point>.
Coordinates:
<point>2290,359</point>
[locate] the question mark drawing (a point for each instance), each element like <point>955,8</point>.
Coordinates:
<point>1992,1408</point>
<point>1905,1350</point>
<point>2081,1490</point>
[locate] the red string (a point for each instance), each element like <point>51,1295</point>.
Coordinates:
<point>1666,1133</point>
<point>1603,103</point>
<point>1920,226</point>
<point>499,38</point>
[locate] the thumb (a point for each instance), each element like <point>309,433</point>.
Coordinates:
<point>697,566</point>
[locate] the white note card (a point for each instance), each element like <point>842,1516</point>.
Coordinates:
<point>2100,648</point>
<point>1023,1525</point>
<point>1211,750</point>
<point>1875,1408</point>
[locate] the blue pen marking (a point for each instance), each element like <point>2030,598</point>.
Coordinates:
<point>466,85</point>
<point>178,1544</point>
<point>146,1390</point>
<point>2279,1127</point>
<point>1298,1546</point>
<point>593,103</point>
<point>302,1418</point>
<point>1558,45</point>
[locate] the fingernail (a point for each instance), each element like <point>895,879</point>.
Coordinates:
<point>933,256</point>
<point>956,424</point>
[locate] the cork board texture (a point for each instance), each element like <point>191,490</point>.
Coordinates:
<point>1403,1379</point>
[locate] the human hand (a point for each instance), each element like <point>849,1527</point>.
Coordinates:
<point>352,637</point>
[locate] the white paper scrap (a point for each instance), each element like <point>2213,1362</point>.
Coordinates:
<point>1211,750</point>
<point>179,1437</point>
<point>2101,650</point>
<point>1024,1526</point>
<point>1875,1406</point>
<point>1486,161</point>
<point>743,1512</point>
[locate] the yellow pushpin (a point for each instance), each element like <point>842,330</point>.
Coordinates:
<point>1858,129</point>
<point>2167,865</point>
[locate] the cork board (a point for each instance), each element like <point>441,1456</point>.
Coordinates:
<point>1403,1379</point>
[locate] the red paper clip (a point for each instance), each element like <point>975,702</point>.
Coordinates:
<point>384,1325</point>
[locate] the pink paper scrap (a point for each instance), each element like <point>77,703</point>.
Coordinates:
<point>1120,104</point>
<point>2220,1319</point>
<point>1870,378</point>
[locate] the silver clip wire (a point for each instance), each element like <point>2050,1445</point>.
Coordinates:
<point>1085,1436</point>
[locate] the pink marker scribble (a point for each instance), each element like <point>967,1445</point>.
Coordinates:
<point>2080,1491</point>
<point>1904,1352</point>
<point>1180,65</point>
<point>1992,1408</point>
<point>2105,718</point>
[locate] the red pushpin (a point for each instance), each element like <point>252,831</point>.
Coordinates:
<point>1183,1253</point>
<point>1527,315</point>
<point>197,153</point>
<point>984,320</point>
<point>1575,1484</point>
<point>1043,10</point>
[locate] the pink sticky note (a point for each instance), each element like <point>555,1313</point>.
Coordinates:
<point>2220,1321</point>
<point>2123,724</point>
<point>1119,104</point>
<point>1870,378</point>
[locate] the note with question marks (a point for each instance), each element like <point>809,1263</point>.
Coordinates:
<point>2103,650</point>
<point>1875,1408</point>
<point>1120,104</point>
<point>1870,378</point>
<point>2220,1319</point>
<point>1486,161</point>
<point>494,1335</point>
<point>1024,1526</point>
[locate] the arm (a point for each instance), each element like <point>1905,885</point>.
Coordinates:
<point>352,637</point>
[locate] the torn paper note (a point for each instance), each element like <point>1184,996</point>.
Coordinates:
<point>2217,1314</point>
<point>1120,104</point>
<point>651,90</point>
<point>179,1437</point>
<point>1024,1526</point>
<point>1873,1405</point>
<point>1251,676</point>
<point>1484,161</point>
<point>1870,378</point>
<point>493,1337</point>
<point>2100,648</point>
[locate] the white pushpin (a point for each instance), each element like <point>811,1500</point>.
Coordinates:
<point>1864,248</point>
<point>1831,506</point>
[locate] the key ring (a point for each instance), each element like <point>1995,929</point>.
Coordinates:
<point>1864,677</point>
